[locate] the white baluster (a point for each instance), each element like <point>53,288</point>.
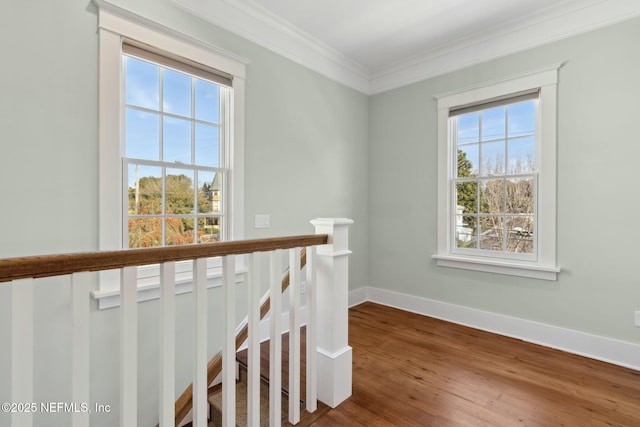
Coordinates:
<point>312,370</point>
<point>294,335</point>
<point>128,346</point>
<point>22,349</point>
<point>275,343</point>
<point>167,342</point>
<point>229,344</point>
<point>80,348</point>
<point>200,364</point>
<point>253,357</point>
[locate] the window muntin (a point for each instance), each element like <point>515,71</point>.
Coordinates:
<point>494,179</point>
<point>174,155</point>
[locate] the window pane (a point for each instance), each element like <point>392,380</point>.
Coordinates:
<point>209,192</point>
<point>466,231</point>
<point>142,135</point>
<point>492,196</point>
<point>468,160</point>
<point>145,190</point>
<point>179,231</point>
<point>493,124</point>
<point>493,158</point>
<point>491,232</point>
<point>142,84</point>
<point>176,93</point>
<point>179,192</point>
<point>520,237</point>
<point>522,119</point>
<point>176,141</point>
<point>207,145</point>
<point>520,196</point>
<point>468,128</point>
<point>521,155</point>
<point>467,197</point>
<point>207,101</point>
<point>172,119</point>
<point>209,229</point>
<point>145,232</point>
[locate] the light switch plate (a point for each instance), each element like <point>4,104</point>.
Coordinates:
<point>262,221</point>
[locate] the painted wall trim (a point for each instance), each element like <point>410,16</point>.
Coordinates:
<point>117,13</point>
<point>255,23</point>
<point>259,26</point>
<point>570,19</point>
<point>617,352</point>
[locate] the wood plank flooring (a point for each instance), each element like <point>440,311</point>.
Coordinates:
<point>411,370</point>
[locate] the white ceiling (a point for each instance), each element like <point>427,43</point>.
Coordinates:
<point>377,45</point>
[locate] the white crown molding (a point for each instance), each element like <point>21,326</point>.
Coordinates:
<point>249,20</point>
<point>548,26</point>
<point>256,24</point>
<point>610,350</point>
<point>116,19</point>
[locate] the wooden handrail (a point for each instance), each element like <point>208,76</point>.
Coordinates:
<point>62,264</point>
<point>214,367</point>
<point>56,265</point>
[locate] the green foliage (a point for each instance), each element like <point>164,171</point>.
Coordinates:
<point>464,165</point>
<point>467,192</point>
<point>180,198</point>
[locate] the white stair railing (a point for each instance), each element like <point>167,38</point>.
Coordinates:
<point>326,283</point>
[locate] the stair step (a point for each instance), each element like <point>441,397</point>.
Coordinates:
<point>215,400</point>
<point>306,418</point>
<point>242,358</point>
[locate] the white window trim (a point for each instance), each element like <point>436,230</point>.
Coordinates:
<point>116,23</point>
<point>543,266</point>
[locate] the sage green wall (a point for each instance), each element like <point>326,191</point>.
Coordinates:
<point>313,148</point>
<point>306,136</point>
<point>305,157</point>
<point>598,153</point>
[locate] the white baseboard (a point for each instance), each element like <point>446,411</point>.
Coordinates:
<point>358,296</point>
<point>608,350</point>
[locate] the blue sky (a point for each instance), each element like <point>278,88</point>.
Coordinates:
<point>486,139</point>
<point>143,128</point>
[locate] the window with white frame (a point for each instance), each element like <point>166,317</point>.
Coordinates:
<point>171,137</point>
<point>175,140</point>
<point>496,178</point>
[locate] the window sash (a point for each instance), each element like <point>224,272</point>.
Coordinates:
<point>477,250</point>
<point>162,215</point>
<point>169,62</point>
<point>454,112</point>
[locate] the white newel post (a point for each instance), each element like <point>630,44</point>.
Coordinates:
<point>334,353</point>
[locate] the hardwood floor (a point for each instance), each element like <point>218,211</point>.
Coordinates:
<point>411,370</point>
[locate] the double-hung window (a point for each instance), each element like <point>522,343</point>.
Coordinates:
<point>175,120</point>
<point>171,138</point>
<point>496,179</point>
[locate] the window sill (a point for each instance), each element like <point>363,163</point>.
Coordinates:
<point>512,268</point>
<point>149,288</point>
